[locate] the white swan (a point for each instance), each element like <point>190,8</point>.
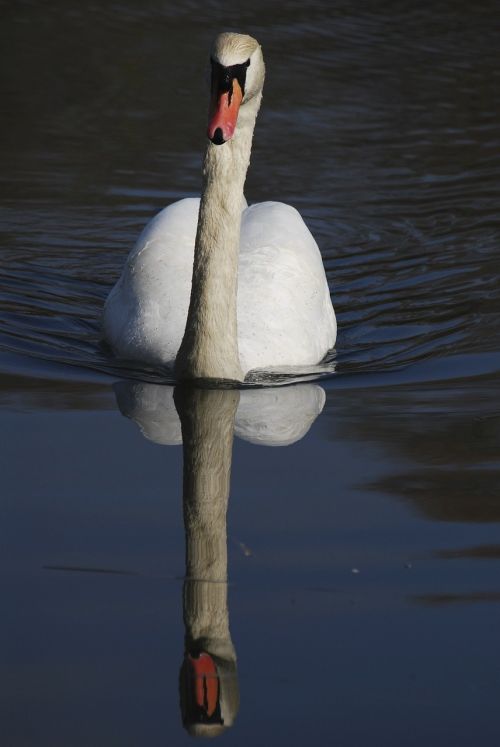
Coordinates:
<point>214,286</point>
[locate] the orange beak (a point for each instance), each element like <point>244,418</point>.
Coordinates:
<point>223,114</point>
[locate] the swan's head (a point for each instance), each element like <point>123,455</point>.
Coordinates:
<point>210,693</point>
<point>237,77</point>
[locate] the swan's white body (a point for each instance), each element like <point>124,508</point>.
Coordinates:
<point>284,313</point>
<point>215,289</point>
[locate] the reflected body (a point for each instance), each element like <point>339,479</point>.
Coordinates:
<point>269,417</point>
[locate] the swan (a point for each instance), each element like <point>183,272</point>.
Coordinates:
<point>213,287</point>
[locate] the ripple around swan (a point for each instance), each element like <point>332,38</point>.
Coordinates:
<point>396,170</point>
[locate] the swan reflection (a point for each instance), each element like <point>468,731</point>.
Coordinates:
<point>205,422</point>
<point>277,416</point>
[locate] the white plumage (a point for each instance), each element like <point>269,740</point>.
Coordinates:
<point>285,316</point>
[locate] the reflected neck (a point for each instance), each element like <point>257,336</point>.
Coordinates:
<point>207,419</point>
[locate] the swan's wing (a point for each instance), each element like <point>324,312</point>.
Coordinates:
<point>285,315</point>
<point>145,314</point>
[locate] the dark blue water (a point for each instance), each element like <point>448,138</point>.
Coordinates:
<point>362,518</point>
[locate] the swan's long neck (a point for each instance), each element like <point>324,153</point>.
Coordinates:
<point>209,348</point>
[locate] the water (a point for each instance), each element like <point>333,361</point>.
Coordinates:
<point>363,556</point>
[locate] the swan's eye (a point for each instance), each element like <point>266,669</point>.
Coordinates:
<point>222,77</point>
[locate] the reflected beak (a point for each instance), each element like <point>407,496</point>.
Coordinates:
<point>205,683</point>
<point>223,114</point>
